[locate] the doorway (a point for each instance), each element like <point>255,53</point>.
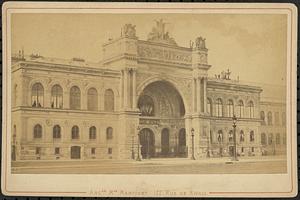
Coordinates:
<point>75,152</point>
<point>147,142</point>
<point>165,142</point>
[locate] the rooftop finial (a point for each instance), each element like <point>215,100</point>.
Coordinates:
<point>22,52</point>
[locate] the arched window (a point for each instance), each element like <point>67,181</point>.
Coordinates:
<point>283,119</point>
<point>251,109</point>
<point>270,122</point>
<point>240,109</point>
<point>92,133</point>
<point>56,132</point>
<point>56,97</point>
<point>75,132</point>
<point>209,107</point>
<point>92,99</point>
<point>262,118</point>
<point>230,108</point>
<point>109,100</point>
<point>37,95</point>
<point>263,139</point>
<point>270,139</point>
<point>252,136</point>
<point>242,136</point>
<point>220,136</point>
<point>109,133</point>
<point>230,136</point>
<point>146,105</point>
<point>37,131</point>
<point>277,138</point>
<point>219,107</point>
<point>75,98</point>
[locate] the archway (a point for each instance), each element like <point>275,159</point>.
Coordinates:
<point>161,105</point>
<point>147,141</point>
<point>165,142</point>
<point>161,99</point>
<point>75,152</point>
<point>182,150</point>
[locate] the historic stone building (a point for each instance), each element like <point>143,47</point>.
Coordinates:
<point>154,89</point>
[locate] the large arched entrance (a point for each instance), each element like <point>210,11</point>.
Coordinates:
<point>147,142</point>
<point>161,105</point>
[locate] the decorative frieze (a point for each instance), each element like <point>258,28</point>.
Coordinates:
<point>164,54</point>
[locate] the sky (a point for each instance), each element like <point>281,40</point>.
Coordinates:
<point>252,46</point>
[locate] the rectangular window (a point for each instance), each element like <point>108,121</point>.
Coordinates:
<point>93,151</point>
<point>252,149</point>
<point>38,150</point>
<point>56,151</point>
<point>109,151</point>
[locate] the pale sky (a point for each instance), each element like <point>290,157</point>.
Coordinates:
<point>252,46</point>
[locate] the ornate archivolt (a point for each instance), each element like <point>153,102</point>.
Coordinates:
<point>182,86</point>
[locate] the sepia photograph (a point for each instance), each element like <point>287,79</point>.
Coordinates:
<point>116,91</point>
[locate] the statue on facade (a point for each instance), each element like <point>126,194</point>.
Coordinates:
<point>200,43</point>
<point>129,31</point>
<point>159,34</point>
<point>225,75</point>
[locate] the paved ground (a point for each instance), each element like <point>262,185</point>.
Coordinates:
<point>156,166</point>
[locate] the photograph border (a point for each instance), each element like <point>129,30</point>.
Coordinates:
<point>7,7</point>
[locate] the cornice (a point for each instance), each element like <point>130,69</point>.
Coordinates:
<point>54,67</point>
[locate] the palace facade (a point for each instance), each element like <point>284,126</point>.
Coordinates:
<point>145,97</point>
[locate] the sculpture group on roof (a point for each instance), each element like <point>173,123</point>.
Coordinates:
<point>159,34</point>
<point>225,75</point>
<point>199,43</point>
<point>128,30</point>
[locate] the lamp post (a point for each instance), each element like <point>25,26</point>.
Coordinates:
<point>176,141</point>
<point>138,150</point>
<point>208,141</point>
<point>193,156</point>
<point>148,145</point>
<point>132,148</point>
<point>234,120</point>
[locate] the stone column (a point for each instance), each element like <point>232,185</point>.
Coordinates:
<point>193,96</point>
<point>204,94</point>
<point>47,98</point>
<point>198,92</point>
<point>83,100</point>
<point>134,88</point>
<point>66,99</point>
<point>125,88</point>
<point>122,89</point>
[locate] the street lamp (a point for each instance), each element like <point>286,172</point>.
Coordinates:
<point>208,141</point>
<point>138,150</point>
<point>234,120</point>
<point>132,148</point>
<point>176,141</point>
<point>193,156</point>
<point>148,145</point>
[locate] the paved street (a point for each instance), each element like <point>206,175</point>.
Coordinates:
<point>156,166</point>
